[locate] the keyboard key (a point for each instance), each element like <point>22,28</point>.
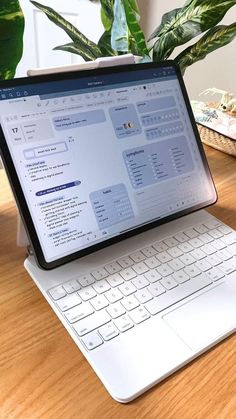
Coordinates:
<point>212,223</point>
<point>79,312</point>
<point>57,292</point>
<point>128,274</point>
<point>228,267</point>
<point>218,244</point>
<point>152,276</point>
<point>101,286</point>
<point>185,247</point>
<point>108,332</point>
<point>206,238</point>
<point>71,286</point>
<point>215,233</point>
<point>86,280</point>
<point>208,249</point>
<point>181,237</point>
<point>140,268</point>
<point>123,323</point>
<point>232,249</point>
<point>176,264</point>
<point>149,251</point>
<point>113,295</point>
<point>115,280</point>
<point>224,254</point>
<point>99,302</point>
<point>175,252</point>
<point>214,260</point>
<point>164,270</point>
<point>92,340</point>
<point>191,233</point>
<point>138,315</point>
<point>152,262</point>
<point>187,259</point>
<point>180,276</point>
<point>156,289</point>
<point>201,229</point>
<point>168,282</point>
<point>91,323</point>
<point>163,257</point>
<point>115,310</point>
<point>125,262</point>
<point>87,293</point>
<point>68,302</point>
<point>215,274</point>
<point>170,242</point>
<point>137,257</point>
<point>100,273</point>
<point>140,282</point>
<point>198,254</point>
<point>203,265</point>
<point>127,288</point>
<point>225,229</point>
<point>177,294</point>
<point>130,302</point>
<point>113,267</point>
<point>160,246</point>
<point>196,242</point>
<point>143,296</point>
<point>192,271</point>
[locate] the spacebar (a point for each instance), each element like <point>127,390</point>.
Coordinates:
<point>177,294</point>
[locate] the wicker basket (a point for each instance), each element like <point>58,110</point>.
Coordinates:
<point>216,140</point>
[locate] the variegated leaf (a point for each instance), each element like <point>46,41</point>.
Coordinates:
<point>215,38</point>
<point>78,49</point>
<point>104,44</point>
<point>83,44</point>
<point>107,15</point>
<point>132,18</point>
<point>181,25</point>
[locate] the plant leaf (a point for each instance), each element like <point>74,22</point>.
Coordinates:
<point>11,37</point>
<point>132,18</point>
<point>167,23</point>
<point>181,25</point>
<point>119,30</point>
<point>77,37</point>
<point>78,49</point>
<point>215,38</point>
<point>104,44</point>
<point>107,15</point>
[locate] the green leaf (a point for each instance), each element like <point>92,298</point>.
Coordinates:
<point>107,15</point>
<point>181,25</point>
<point>81,41</point>
<point>132,18</point>
<point>104,44</point>
<point>215,38</point>
<point>78,49</point>
<point>11,37</point>
<point>167,23</point>
<point>119,30</point>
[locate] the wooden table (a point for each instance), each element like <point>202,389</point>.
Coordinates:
<point>44,375</point>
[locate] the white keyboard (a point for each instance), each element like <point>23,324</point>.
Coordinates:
<point>114,298</point>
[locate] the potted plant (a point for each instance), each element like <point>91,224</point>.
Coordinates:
<point>123,33</point>
<point>11,37</point>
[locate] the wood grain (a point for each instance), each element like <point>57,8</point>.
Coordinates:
<point>44,375</point>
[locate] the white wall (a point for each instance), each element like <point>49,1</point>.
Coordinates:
<point>218,69</point>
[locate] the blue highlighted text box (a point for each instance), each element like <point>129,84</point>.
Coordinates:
<point>78,120</point>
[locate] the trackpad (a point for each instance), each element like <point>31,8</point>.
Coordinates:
<point>206,318</point>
